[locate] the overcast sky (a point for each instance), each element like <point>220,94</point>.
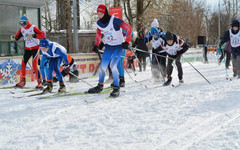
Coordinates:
<point>212,2</point>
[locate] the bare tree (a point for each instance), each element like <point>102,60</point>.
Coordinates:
<point>135,10</point>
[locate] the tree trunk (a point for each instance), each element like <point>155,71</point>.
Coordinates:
<point>139,14</point>
<point>68,18</point>
<point>116,3</point>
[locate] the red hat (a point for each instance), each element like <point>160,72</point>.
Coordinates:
<point>101,8</point>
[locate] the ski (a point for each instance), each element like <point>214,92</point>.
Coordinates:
<point>67,94</point>
<point>26,91</point>
<point>33,90</point>
<point>176,85</point>
<point>32,95</point>
<point>16,87</point>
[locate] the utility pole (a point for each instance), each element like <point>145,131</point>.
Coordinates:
<point>236,8</point>
<point>75,24</point>
<point>229,5</point>
<point>219,19</point>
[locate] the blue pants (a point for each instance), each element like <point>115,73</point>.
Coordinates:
<point>54,64</point>
<point>111,55</point>
<point>120,63</point>
<point>44,66</point>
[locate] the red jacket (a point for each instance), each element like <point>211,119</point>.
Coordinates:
<point>38,34</point>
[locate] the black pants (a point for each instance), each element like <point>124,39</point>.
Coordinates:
<point>142,61</point>
<point>178,64</point>
<point>205,51</point>
<point>26,56</point>
<point>131,62</point>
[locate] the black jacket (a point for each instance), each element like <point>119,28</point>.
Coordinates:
<point>140,42</point>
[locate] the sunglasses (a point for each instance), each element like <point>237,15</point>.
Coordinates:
<point>22,23</point>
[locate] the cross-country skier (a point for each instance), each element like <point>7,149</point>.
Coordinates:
<point>31,35</point>
<point>43,62</point>
<point>110,26</point>
<point>233,35</point>
<point>56,53</point>
<point>158,63</point>
<point>174,48</point>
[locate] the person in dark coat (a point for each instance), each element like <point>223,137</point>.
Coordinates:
<point>140,42</point>
<point>233,35</point>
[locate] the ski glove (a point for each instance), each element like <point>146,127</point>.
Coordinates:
<point>125,45</point>
<point>95,49</point>
<point>101,45</point>
<point>67,68</point>
<point>154,50</point>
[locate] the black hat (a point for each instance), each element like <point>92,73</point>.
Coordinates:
<point>168,36</point>
<point>235,23</point>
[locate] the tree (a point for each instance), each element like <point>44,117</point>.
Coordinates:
<point>137,12</point>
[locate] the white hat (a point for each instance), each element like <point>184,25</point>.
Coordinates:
<point>155,23</point>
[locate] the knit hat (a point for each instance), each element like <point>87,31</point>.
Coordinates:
<point>44,43</point>
<point>23,20</point>
<point>168,36</point>
<point>101,8</point>
<point>235,23</point>
<point>155,23</point>
<point>154,31</point>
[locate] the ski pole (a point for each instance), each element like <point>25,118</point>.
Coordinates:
<point>134,80</point>
<point>196,69</point>
<point>67,84</point>
<point>177,60</point>
<point>152,53</point>
<point>80,78</point>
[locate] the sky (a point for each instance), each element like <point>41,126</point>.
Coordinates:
<point>212,2</point>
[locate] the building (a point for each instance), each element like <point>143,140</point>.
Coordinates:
<point>11,11</point>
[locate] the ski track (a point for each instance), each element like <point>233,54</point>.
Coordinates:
<point>195,115</point>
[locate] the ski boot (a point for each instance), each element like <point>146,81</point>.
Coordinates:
<point>96,89</point>
<point>55,79</point>
<point>44,83</point>
<point>121,82</point>
<point>115,92</point>
<point>62,87</point>
<point>39,86</point>
<point>49,88</point>
<point>168,82</point>
<point>181,80</point>
<point>21,83</point>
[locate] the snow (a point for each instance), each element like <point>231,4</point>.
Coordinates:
<point>195,115</point>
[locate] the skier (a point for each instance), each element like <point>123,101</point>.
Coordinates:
<point>140,42</point>
<point>158,62</point>
<point>110,26</point>
<point>43,68</point>
<point>73,70</point>
<point>31,35</point>
<point>174,48</point>
<point>233,35</point>
<point>43,62</point>
<point>55,53</point>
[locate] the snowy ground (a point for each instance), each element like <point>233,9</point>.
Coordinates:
<point>193,116</point>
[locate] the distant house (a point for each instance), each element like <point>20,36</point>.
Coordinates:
<point>11,11</point>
